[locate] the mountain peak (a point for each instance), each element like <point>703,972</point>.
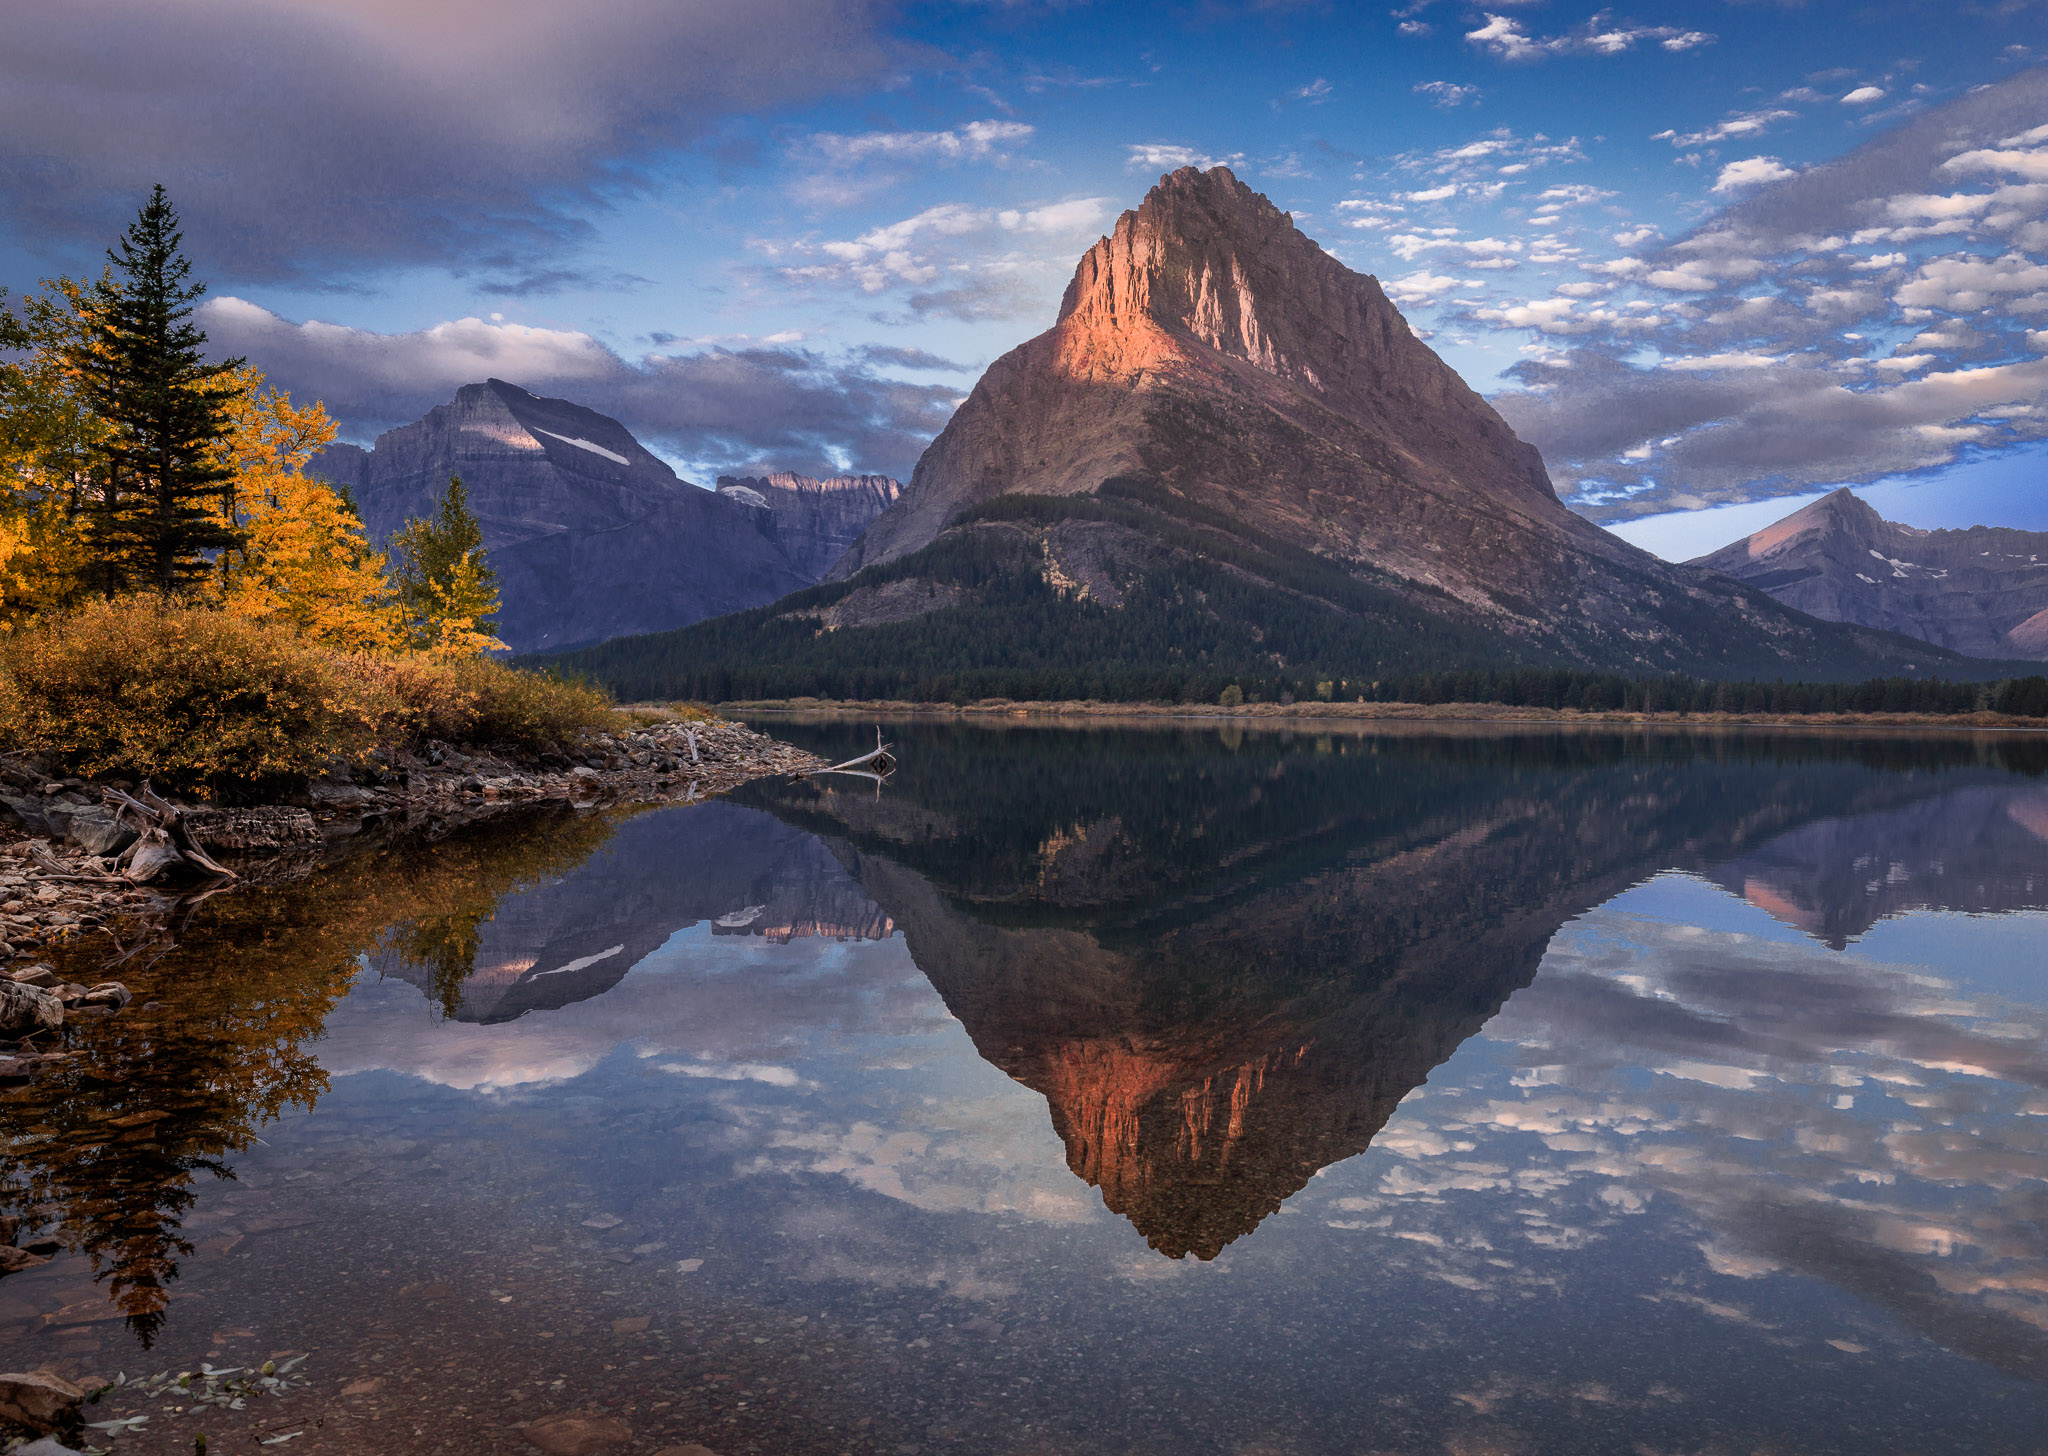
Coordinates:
<point>1214,264</point>
<point>1838,510</point>
<point>1209,345</point>
<point>1983,591</point>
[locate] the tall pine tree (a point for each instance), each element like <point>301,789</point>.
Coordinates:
<point>145,375</point>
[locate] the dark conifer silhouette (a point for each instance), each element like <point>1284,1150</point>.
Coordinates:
<point>145,373</point>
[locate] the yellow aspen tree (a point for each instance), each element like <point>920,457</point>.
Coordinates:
<point>53,469</point>
<point>306,560</point>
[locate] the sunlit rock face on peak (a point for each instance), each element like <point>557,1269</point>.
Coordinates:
<point>1983,591</point>
<point>1209,342</point>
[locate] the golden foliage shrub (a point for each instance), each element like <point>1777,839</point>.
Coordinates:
<point>528,710</point>
<point>182,695</point>
<point>197,697</point>
<point>477,700</point>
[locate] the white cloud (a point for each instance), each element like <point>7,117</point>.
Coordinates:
<point>432,360</point>
<point>2025,163</point>
<point>1851,320</point>
<point>1490,252</point>
<point>1163,157</point>
<point>1736,125</point>
<point>901,252</point>
<point>1751,172</point>
<point>1547,315</point>
<point>1863,96</point>
<point>1722,361</point>
<point>1506,39</point>
<point>974,142</point>
<point>1966,282</point>
<point>1421,288</point>
<point>1447,94</point>
<point>1082,215</point>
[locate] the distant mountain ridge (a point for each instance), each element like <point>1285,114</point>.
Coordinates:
<point>1230,456</point>
<point>816,520</point>
<point>591,534</point>
<point>1981,591</point>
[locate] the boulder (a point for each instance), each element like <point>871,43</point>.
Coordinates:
<point>26,1009</point>
<point>19,811</point>
<point>580,1433</point>
<point>39,1400</point>
<point>108,993</point>
<point>94,830</point>
<point>328,795</point>
<point>35,975</point>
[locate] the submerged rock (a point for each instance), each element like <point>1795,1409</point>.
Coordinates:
<point>13,1260</point>
<point>46,1446</point>
<point>580,1433</point>
<point>37,1399</point>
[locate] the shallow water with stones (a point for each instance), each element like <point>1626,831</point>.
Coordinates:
<point>1192,1090</point>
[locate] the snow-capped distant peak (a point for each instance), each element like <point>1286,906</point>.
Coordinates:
<point>612,455</point>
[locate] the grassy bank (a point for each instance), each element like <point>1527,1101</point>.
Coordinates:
<point>199,699</point>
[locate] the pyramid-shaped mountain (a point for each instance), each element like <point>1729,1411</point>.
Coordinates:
<point>592,535</point>
<point>1983,591</point>
<point>1231,455</point>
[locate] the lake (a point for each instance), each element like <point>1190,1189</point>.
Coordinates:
<point>1363,1089</point>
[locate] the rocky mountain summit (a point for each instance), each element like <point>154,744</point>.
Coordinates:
<point>1983,591</point>
<point>1209,344</point>
<point>1236,447</point>
<point>815,520</point>
<point>592,536</point>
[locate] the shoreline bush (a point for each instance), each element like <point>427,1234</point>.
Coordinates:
<point>198,698</point>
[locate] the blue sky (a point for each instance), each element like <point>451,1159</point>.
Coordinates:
<point>1701,253</point>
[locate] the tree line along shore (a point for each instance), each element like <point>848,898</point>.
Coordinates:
<point>1524,694</point>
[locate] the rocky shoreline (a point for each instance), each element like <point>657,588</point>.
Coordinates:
<point>73,866</point>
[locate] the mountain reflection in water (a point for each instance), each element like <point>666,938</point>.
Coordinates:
<point>1229,962</point>
<point>1225,969</point>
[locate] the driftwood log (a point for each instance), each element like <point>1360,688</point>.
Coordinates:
<point>165,847</point>
<point>876,765</point>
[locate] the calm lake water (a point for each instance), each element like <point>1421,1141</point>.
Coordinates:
<point>1440,1090</point>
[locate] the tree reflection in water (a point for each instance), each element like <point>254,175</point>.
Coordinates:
<point>110,1142</point>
